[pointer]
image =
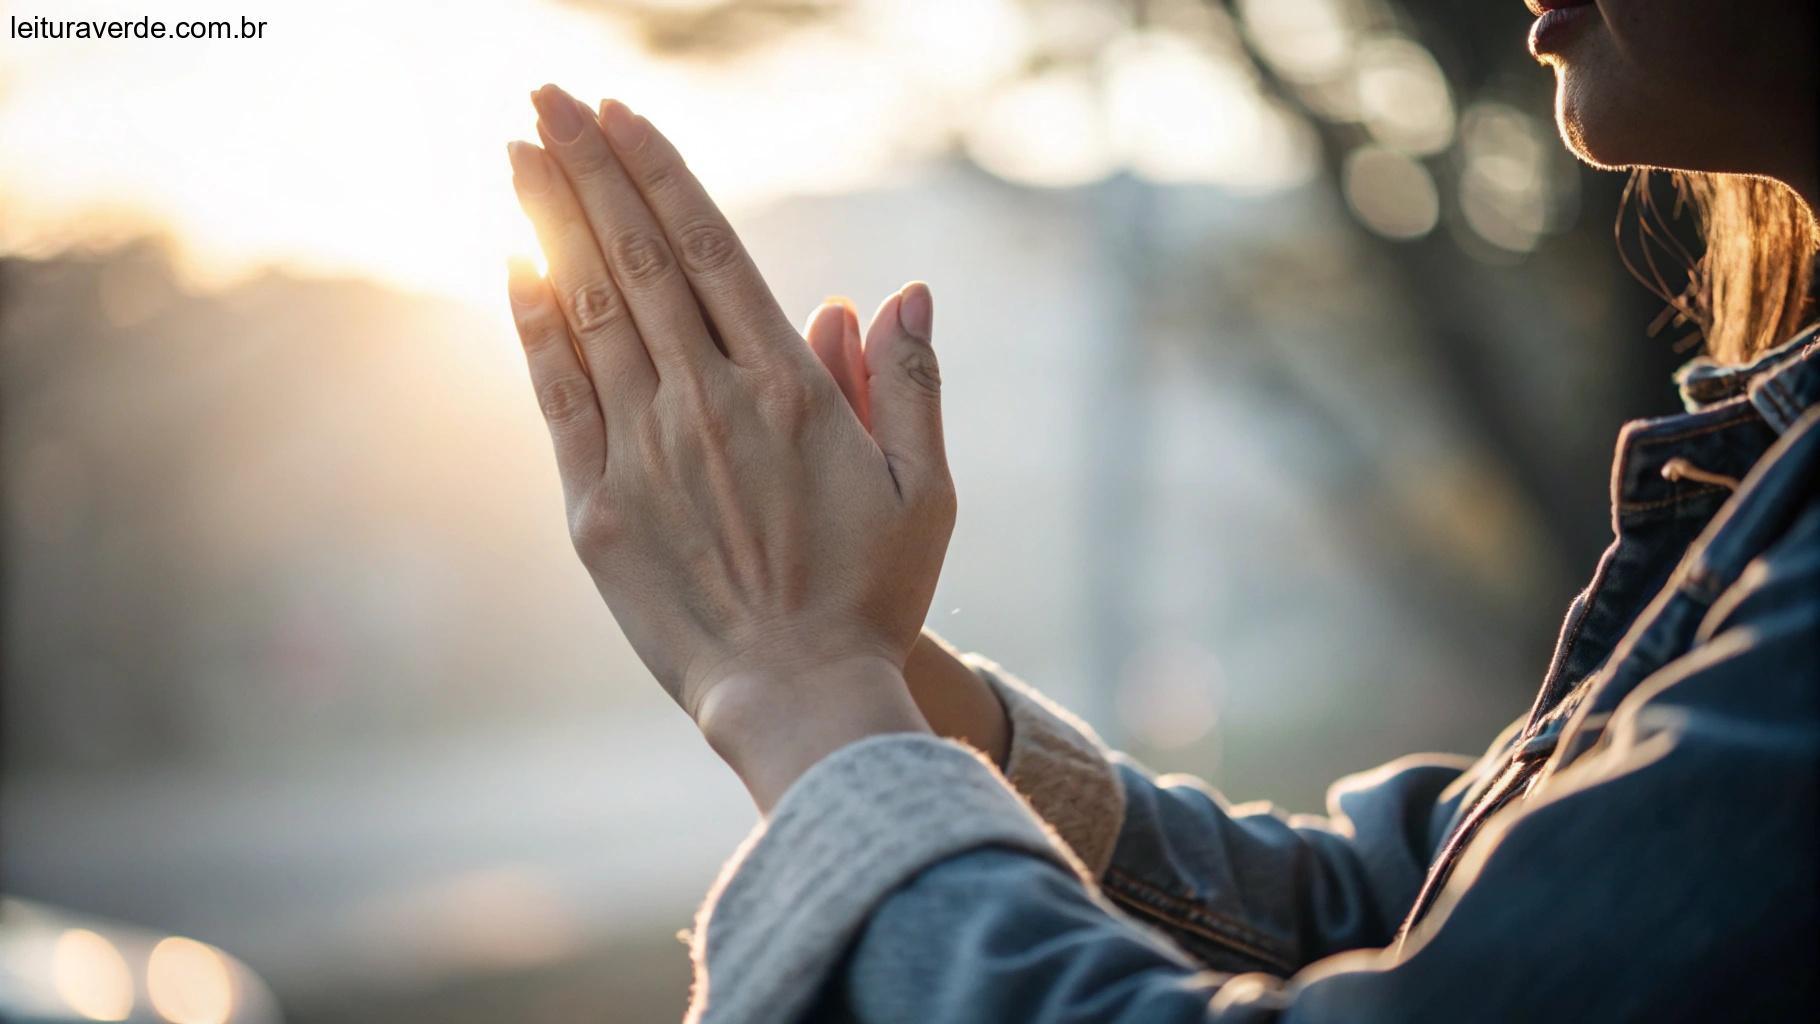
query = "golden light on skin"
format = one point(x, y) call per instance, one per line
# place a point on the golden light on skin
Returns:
point(91, 976)
point(189, 983)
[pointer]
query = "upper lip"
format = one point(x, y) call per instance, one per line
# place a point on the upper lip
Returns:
point(1541, 7)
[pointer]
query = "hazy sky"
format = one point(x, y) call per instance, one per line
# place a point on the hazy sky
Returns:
point(368, 137)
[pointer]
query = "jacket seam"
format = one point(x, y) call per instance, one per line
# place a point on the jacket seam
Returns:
point(1696, 491)
point(1710, 428)
point(1192, 917)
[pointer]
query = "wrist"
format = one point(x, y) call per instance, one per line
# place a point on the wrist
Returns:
point(772, 725)
point(956, 701)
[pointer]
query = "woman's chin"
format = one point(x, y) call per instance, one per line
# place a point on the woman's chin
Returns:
point(1603, 137)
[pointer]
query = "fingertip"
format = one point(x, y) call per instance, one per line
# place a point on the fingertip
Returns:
point(848, 313)
point(626, 130)
point(916, 310)
point(530, 175)
point(886, 313)
point(523, 283)
point(822, 318)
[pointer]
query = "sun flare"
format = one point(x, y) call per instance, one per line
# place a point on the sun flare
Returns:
point(322, 148)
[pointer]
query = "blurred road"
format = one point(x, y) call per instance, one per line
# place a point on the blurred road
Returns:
point(392, 870)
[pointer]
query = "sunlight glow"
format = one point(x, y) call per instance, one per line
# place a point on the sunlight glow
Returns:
point(1169, 694)
point(1048, 130)
point(1504, 192)
point(1392, 194)
point(1403, 96)
point(1182, 114)
point(963, 46)
point(189, 983)
point(389, 164)
point(385, 167)
point(91, 975)
point(387, 160)
point(1305, 40)
point(503, 917)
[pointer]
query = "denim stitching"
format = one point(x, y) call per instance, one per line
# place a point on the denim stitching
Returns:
point(1192, 907)
point(1194, 918)
point(1688, 494)
point(1710, 428)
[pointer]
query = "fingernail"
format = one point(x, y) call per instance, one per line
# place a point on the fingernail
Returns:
point(559, 112)
point(916, 310)
point(530, 175)
point(840, 300)
point(626, 130)
point(522, 282)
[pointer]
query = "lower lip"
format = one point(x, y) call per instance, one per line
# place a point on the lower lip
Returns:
point(1554, 28)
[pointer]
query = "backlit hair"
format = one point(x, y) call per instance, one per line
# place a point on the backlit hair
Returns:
point(1751, 288)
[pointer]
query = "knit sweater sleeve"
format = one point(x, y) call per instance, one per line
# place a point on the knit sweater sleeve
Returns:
point(858, 825)
point(1060, 766)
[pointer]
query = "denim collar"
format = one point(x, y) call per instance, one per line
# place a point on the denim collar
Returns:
point(1782, 383)
point(1734, 415)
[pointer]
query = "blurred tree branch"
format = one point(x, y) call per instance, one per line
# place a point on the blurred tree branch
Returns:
point(712, 28)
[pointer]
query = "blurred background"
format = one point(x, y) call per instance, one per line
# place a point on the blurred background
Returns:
point(1284, 351)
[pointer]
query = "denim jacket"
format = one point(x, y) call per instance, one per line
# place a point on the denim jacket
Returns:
point(1644, 844)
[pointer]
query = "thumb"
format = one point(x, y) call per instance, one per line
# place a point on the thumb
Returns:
point(833, 335)
point(905, 385)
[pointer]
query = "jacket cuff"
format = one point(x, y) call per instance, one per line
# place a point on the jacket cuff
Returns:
point(1060, 765)
point(859, 824)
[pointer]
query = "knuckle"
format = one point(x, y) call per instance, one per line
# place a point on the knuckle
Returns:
point(694, 393)
point(640, 256)
point(588, 163)
point(790, 405)
point(593, 526)
point(919, 366)
point(709, 247)
point(565, 400)
point(538, 329)
point(699, 402)
point(943, 500)
point(658, 176)
point(571, 237)
point(782, 382)
point(651, 441)
point(595, 306)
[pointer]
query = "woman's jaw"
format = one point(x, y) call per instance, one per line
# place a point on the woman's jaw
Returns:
point(1720, 86)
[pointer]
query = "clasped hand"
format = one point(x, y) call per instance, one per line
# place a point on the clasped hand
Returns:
point(769, 555)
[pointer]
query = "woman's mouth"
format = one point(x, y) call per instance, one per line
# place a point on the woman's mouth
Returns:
point(1556, 22)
